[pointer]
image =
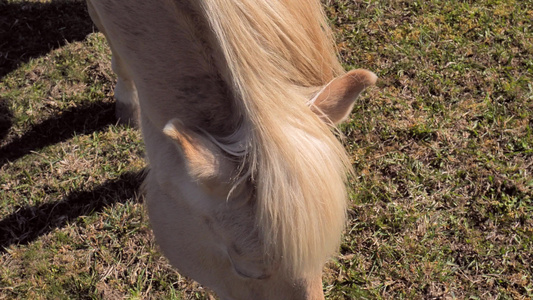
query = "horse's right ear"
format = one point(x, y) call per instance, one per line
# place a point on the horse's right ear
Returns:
point(204, 160)
point(335, 101)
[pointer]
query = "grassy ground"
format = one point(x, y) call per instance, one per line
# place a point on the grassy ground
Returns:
point(442, 203)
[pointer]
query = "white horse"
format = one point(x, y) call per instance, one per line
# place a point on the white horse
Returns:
point(235, 98)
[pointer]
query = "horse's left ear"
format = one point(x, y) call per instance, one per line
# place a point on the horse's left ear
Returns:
point(335, 101)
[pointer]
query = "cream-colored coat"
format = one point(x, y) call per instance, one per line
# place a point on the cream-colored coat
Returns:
point(245, 191)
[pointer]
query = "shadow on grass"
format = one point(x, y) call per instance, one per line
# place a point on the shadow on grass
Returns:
point(80, 120)
point(5, 119)
point(27, 224)
point(32, 29)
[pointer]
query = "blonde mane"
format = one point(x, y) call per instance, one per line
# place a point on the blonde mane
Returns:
point(273, 51)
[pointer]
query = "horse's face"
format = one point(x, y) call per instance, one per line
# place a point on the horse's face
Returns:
point(205, 222)
point(212, 190)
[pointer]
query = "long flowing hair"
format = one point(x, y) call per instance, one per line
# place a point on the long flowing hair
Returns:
point(274, 49)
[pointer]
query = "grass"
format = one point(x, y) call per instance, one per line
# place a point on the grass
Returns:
point(443, 151)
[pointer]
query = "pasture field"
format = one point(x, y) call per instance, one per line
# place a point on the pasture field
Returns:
point(441, 204)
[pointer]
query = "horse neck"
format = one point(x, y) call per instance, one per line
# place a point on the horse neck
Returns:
point(174, 61)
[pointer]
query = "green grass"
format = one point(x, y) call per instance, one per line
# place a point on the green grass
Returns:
point(442, 204)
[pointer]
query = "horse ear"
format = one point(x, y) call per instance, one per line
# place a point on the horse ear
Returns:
point(205, 161)
point(335, 101)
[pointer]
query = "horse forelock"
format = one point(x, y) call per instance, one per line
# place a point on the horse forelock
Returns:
point(272, 49)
